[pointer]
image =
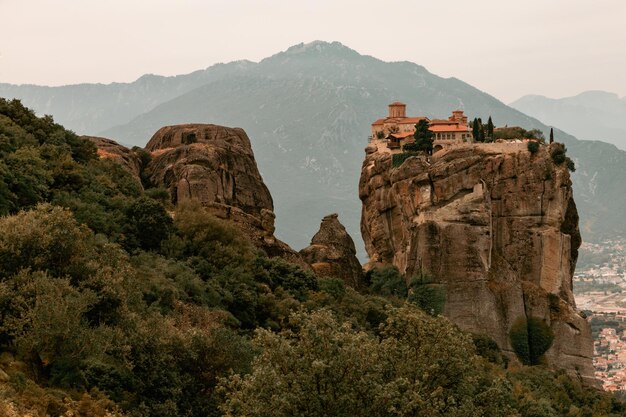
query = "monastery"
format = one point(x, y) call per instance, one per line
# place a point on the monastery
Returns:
point(397, 129)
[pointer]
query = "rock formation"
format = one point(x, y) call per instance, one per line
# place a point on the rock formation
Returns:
point(215, 165)
point(495, 225)
point(110, 149)
point(332, 253)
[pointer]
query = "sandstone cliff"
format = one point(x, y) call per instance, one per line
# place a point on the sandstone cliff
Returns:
point(493, 223)
point(332, 253)
point(215, 165)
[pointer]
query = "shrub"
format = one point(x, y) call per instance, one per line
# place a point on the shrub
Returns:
point(149, 224)
point(530, 338)
point(419, 365)
point(399, 158)
point(533, 146)
point(387, 281)
point(333, 286)
point(489, 349)
point(558, 154)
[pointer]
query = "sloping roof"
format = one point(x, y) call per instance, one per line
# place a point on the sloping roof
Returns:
point(412, 120)
point(399, 120)
point(442, 121)
point(401, 135)
point(448, 128)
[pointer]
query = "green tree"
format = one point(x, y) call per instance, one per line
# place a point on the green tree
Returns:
point(490, 127)
point(475, 130)
point(423, 138)
point(530, 338)
point(149, 224)
point(325, 367)
point(387, 281)
point(551, 135)
point(427, 295)
point(481, 130)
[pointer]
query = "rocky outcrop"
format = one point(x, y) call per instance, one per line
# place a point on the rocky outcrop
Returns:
point(215, 165)
point(209, 163)
point(493, 223)
point(109, 149)
point(332, 253)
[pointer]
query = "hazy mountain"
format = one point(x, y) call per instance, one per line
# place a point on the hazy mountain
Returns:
point(308, 111)
point(90, 108)
point(590, 115)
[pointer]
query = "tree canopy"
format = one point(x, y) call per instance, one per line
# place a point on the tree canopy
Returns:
point(423, 139)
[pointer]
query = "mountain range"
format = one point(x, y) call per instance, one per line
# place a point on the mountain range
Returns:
point(308, 112)
point(589, 115)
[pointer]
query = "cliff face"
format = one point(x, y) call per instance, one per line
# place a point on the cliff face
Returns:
point(215, 165)
point(209, 163)
point(332, 253)
point(496, 225)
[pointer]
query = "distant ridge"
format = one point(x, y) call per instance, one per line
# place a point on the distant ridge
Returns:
point(591, 115)
point(308, 111)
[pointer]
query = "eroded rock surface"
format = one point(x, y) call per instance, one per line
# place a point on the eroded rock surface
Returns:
point(332, 253)
point(215, 165)
point(498, 226)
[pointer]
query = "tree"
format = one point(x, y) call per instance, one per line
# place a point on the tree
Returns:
point(489, 130)
point(530, 339)
point(423, 138)
point(481, 130)
point(387, 281)
point(419, 365)
point(149, 224)
point(475, 130)
point(426, 294)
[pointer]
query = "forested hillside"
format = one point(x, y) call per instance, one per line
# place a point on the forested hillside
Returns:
point(114, 303)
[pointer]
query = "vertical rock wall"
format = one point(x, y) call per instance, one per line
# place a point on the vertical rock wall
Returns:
point(496, 225)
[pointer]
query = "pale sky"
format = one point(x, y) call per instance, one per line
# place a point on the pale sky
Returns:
point(507, 48)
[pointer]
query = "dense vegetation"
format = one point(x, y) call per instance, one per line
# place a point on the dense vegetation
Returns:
point(110, 306)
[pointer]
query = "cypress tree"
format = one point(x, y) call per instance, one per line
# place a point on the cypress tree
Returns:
point(476, 130)
point(490, 130)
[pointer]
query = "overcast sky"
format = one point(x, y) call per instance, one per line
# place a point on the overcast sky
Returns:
point(508, 49)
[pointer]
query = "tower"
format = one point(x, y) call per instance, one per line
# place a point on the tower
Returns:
point(397, 110)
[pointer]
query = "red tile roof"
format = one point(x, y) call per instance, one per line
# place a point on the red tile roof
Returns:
point(412, 120)
point(448, 128)
point(399, 120)
point(397, 103)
